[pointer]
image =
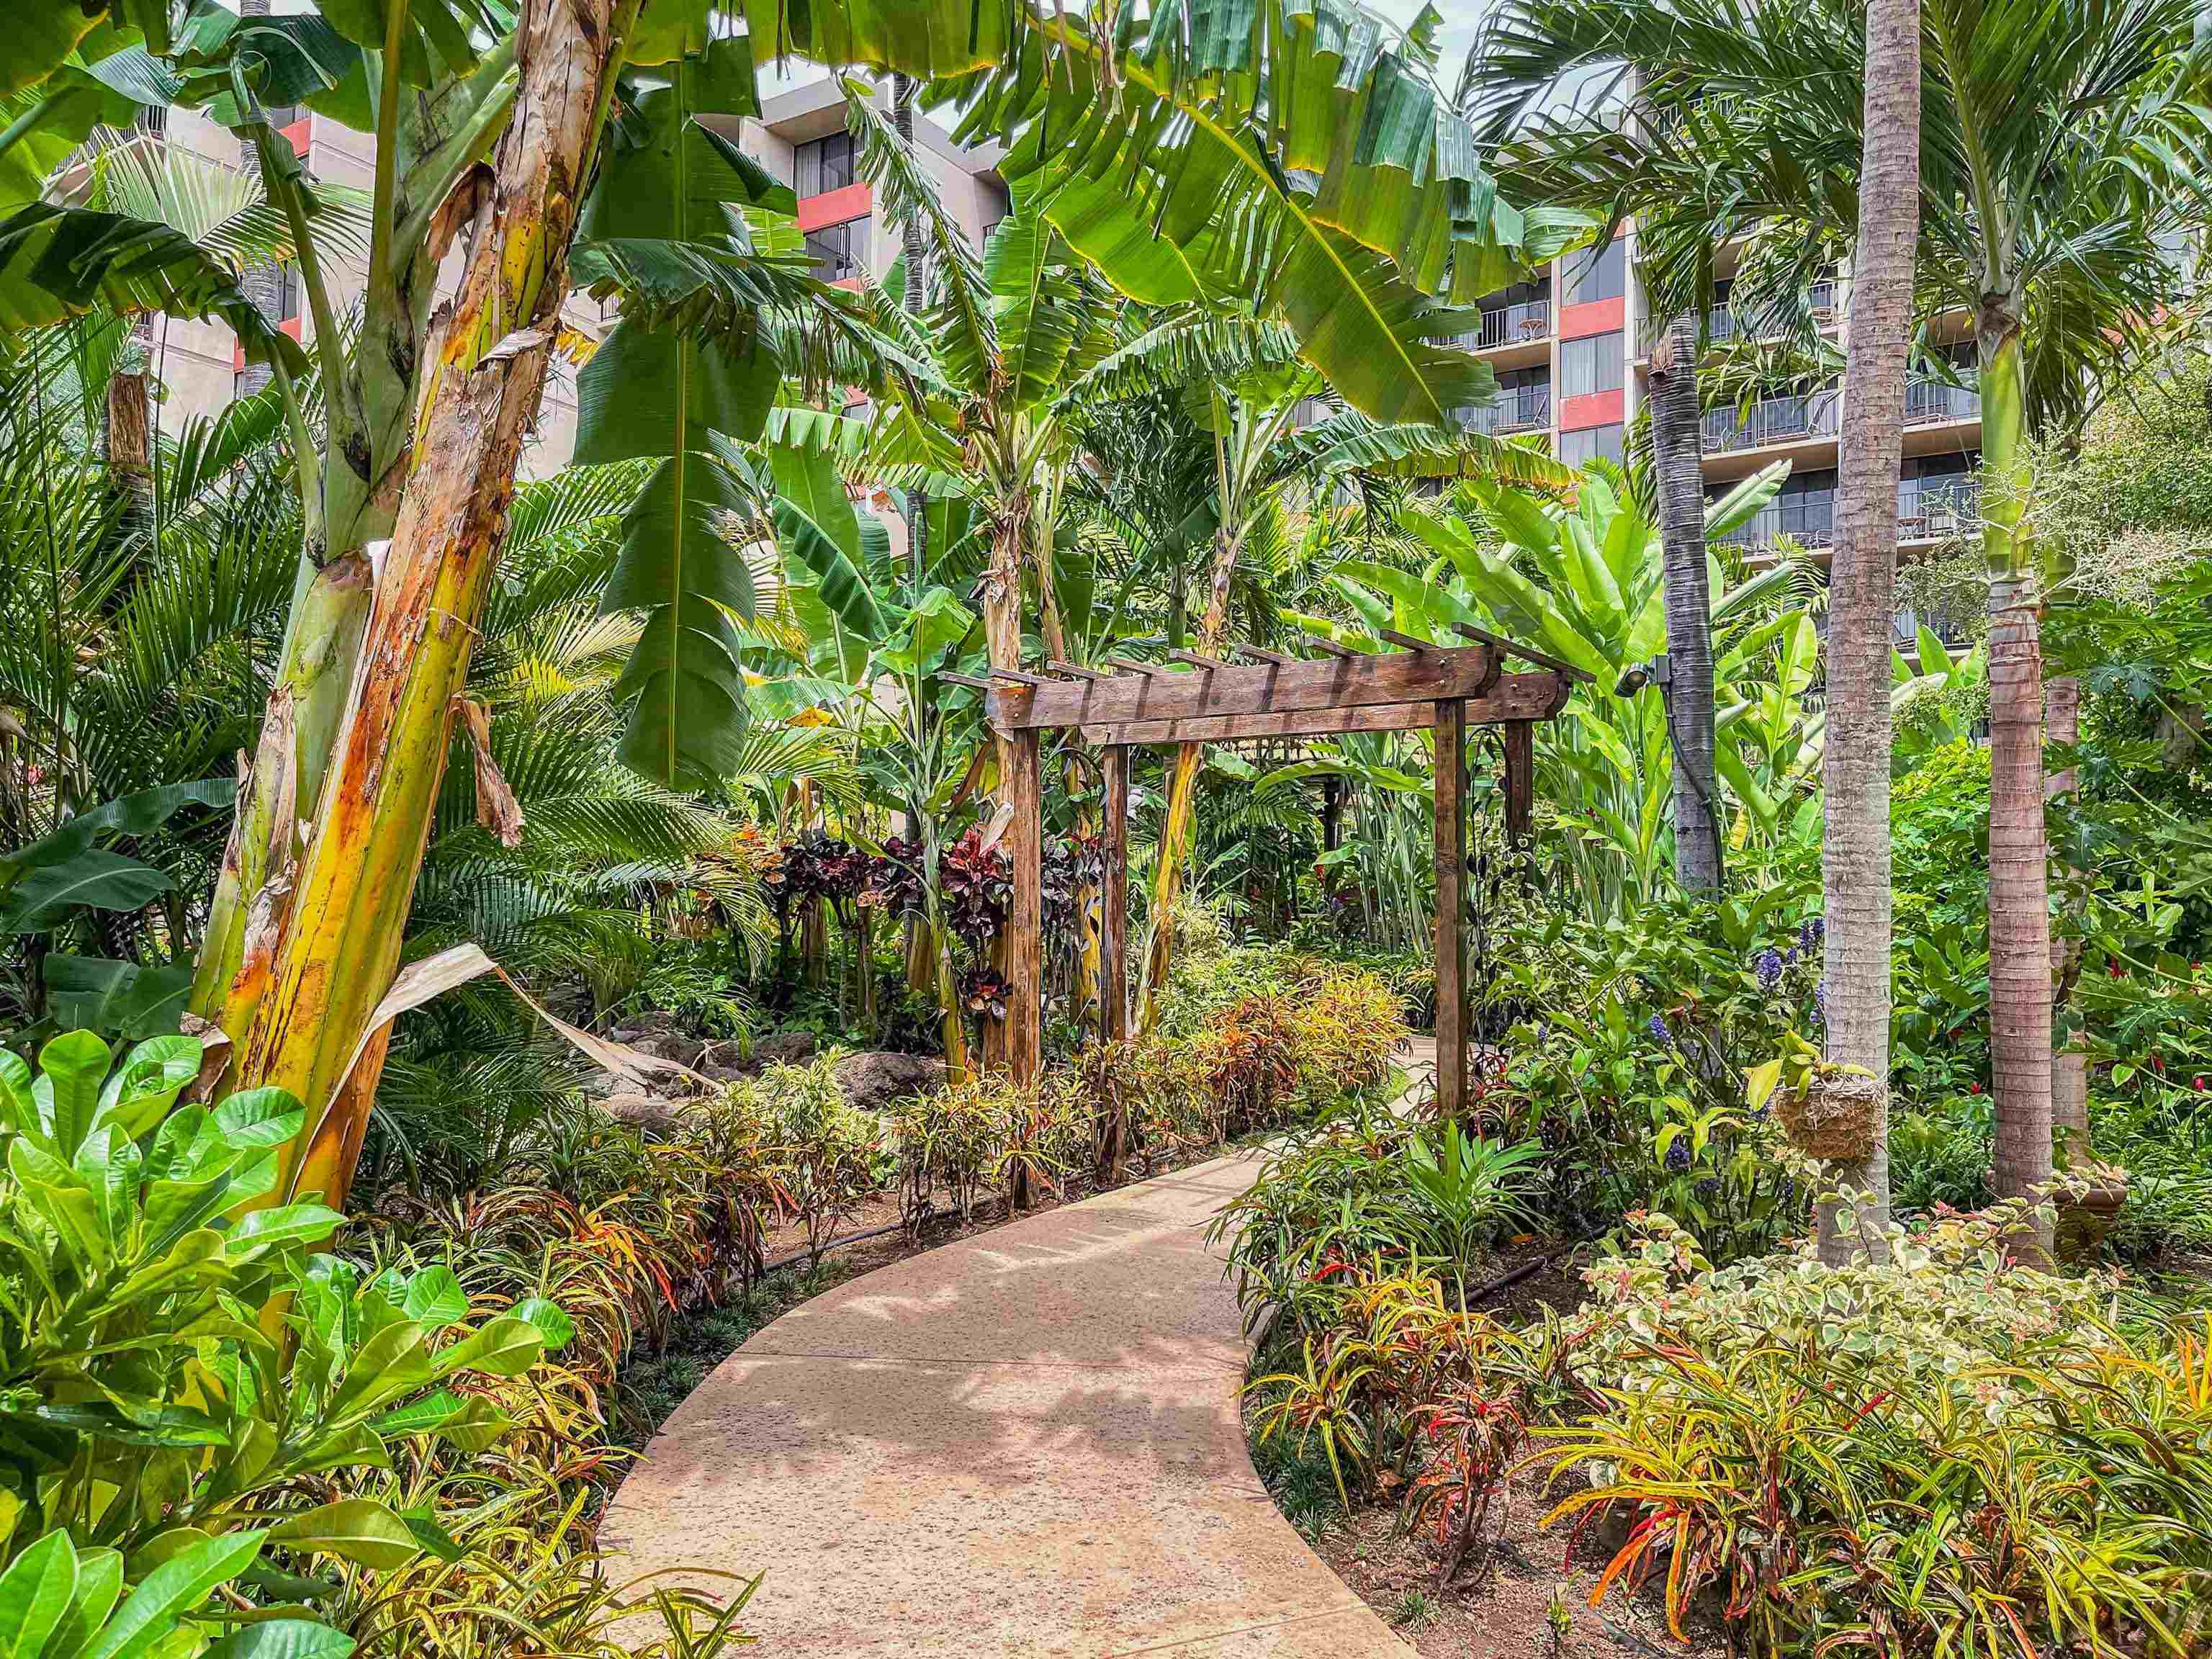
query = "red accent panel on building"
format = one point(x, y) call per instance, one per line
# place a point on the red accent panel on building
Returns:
point(298, 134)
point(834, 207)
point(1598, 409)
point(291, 326)
point(1598, 317)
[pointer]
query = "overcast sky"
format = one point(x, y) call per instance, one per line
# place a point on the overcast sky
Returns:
point(1461, 17)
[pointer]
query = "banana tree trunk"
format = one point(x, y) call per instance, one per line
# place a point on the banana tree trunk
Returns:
point(1677, 446)
point(131, 432)
point(2019, 898)
point(1854, 855)
point(1182, 789)
point(339, 938)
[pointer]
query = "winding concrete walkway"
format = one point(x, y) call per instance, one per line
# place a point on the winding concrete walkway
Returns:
point(1024, 1443)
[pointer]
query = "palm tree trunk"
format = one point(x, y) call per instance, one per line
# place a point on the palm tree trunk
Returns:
point(334, 949)
point(2020, 897)
point(1678, 450)
point(1855, 860)
point(130, 431)
point(2070, 1066)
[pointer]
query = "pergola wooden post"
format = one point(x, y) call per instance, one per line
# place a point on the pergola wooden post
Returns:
point(1451, 908)
point(1425, 685)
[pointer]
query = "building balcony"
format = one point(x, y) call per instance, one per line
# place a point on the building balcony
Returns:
point(1518, 324)
point(1927, 512)
point(1518, 409)
point(1772, 421)
point(1933, 403)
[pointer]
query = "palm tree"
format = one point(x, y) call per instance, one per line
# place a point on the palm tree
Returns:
point(2056, 139)
point(1854, 773)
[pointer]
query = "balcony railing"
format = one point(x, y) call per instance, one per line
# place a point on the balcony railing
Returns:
point(1937, 510)
point(1724, 322)
point(1518, 409)
point(1929, 403)
point(1527, 319)
point(1774, 421)
point(1934, 512)
point(1808, 523)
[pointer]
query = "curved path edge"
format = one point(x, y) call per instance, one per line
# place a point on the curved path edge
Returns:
point(1027, 1443)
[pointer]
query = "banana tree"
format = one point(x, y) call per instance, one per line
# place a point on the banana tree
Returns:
point(493, 123)
point(1586, 583)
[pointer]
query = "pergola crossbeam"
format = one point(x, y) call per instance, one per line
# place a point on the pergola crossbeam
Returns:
point(1515, 698)
point(1152, 692)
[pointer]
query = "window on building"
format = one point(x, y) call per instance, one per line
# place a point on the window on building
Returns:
point(1591, 364)
point(823, 164)
point(281, 116)
point(1586, 445)
point(996, 207)
point(838, 249)
point(1597, 273)
point(287, 293)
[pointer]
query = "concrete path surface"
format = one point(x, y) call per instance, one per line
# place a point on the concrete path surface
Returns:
point(1024, 1443)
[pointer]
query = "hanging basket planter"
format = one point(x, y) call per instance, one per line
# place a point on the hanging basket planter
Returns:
point(1833, 1117)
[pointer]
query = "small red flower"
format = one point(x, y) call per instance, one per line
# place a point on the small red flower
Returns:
point(1973, 1088)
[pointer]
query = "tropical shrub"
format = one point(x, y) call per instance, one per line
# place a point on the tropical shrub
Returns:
point(1269, 1034)
point(829, 1158)
point(1628, 1066)
point(165, 1429)
point(1949, 1453)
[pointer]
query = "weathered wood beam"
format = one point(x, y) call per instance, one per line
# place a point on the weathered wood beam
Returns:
point(1514, 697)
point(1451, 908)
point(1407, 641)
point(1520, 781)
point(1073, 671)
point(1024, 845)
point(1330, 647)
point(1526, 654)
point(1156, 694)
point(1260, 653)
point(1198, 660)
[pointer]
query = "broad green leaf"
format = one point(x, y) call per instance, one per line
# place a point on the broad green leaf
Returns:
point(434, 1298)
point(143, 1088)
point(123, 999)
point(100, 880)
point(99, 1583)
point(34, 1593)
point(356, 1530)
point(19, 1107)
point(58, 262)
point(259, 1117)
point(395, 1361)
point(550, 1318)
point(283, 1638)
point(505, 1347)
point(171, 1590)
point(284, 1224)
point(71, 1067)
point(137, 814)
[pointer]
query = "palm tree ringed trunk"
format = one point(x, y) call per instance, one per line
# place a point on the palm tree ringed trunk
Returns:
point(2019, 895)
point(2069, 1065)
point(1678, 451)
point(335, 947)
point(1855, 852)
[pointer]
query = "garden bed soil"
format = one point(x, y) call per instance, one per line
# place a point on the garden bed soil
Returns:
point(1503, 1609)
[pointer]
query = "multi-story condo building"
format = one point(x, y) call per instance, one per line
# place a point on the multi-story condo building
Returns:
point(799, 137)
point(1570, 351)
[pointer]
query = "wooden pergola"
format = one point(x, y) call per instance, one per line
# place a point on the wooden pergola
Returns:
point(1201, 699)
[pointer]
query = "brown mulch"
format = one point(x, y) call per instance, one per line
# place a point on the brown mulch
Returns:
point(1504, 1606)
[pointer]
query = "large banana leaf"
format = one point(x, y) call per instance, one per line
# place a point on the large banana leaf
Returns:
point(41, 35)
point(654, 394)
point(433, 33)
